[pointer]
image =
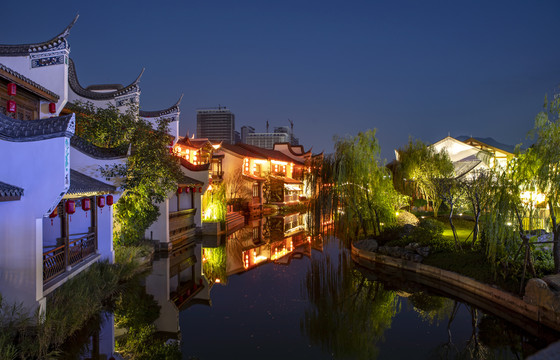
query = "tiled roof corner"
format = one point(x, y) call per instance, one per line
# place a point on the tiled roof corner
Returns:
point(7, 190)
point(28, 81)
point(56, 43)
point(97, 152)
point(35, 130)
point(188, 165)
point(83, 184)
point(156, 113)
point(93, 95)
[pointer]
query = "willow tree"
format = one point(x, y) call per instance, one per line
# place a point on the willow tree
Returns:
point(363, 184)
point(418, 166)
point(547, 154)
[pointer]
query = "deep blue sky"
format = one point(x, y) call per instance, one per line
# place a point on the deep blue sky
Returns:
point(408, 68)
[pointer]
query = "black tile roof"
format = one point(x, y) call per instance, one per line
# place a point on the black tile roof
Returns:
point(34, 130)
point(188, 181)
point(98, 152)
point(83, 184)
point(7, 190)
point(93, 95)
point(28, 81)
point(156, 113)
point(56, 43)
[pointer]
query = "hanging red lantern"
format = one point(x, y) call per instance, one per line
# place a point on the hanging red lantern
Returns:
point(187, 190)
point(179, 190)
point(199, 189)
point(12, 89)
point(101, 201)
point(86, 204)
point(52, 108)
point(109, 200)
point(70, 207)
point(11, 106)
point(53, 214)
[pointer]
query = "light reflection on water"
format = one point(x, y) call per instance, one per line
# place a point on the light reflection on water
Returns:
point(320, 305)
point(273, 290)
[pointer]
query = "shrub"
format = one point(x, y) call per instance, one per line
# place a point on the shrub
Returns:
point(406, 218)
point(419, 203)
point(428, 231)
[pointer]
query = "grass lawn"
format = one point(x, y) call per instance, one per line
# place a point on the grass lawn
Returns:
point(470, 261)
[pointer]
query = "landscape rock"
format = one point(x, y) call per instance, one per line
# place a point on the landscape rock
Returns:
point(367, 245)
point(423, 251)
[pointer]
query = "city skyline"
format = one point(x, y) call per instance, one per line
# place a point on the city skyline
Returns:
point(408, 69)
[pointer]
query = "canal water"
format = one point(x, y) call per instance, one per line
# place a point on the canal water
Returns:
point(273, 290)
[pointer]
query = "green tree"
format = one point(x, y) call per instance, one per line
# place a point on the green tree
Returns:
point(150, 172)
point(477, 189)
point(419, 165)
point(547, 155)
point(364, 184)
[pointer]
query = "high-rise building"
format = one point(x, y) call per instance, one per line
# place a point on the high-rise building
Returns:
point(246, 130)
point(216, 124)
point(281, 134)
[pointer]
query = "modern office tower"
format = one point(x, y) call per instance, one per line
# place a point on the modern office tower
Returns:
point(237, 136)
point(216, 124)
point(267, 140)
point(245, 130)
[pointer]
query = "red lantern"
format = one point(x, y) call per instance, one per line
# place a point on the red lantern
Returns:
point(53, 214)
point(187, 190)
point(52, 108)
point(179, 190)
point(109, 200)
point(199, 189)
point(86, 204)
point(70, 207)
point(12, 89)
point(101, 201)
point(12, 107)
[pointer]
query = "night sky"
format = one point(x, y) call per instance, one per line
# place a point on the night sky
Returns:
point(408, 68)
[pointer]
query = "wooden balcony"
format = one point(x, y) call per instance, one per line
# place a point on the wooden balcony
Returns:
point(58, 260)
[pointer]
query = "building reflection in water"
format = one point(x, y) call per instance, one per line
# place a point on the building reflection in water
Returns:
point(185, 276)
point(176, 282)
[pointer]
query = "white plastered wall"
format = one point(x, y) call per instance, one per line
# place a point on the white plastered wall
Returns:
point(39, 168)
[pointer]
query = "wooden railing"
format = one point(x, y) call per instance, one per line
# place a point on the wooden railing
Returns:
point(55, 261)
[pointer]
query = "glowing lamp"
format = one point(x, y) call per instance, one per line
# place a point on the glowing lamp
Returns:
point(187, 190)
point(101, 201)
point(179, 190)
point(52, 108)
point(11, 106)
point(199, 189)
point(109, 200)
point(70, 207)
point(86, 204)
point(12, 89)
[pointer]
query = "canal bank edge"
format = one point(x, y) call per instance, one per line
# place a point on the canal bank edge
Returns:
point(540, 310)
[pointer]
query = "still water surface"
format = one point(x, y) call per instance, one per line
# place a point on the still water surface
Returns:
point(316, 303)
point(272, 290)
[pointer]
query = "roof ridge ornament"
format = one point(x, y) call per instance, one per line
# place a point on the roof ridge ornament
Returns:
point(56, 43)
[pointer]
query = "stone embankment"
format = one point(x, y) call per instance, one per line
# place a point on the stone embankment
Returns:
point(540, 304)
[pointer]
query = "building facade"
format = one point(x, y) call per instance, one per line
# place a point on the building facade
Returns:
point(216, 124)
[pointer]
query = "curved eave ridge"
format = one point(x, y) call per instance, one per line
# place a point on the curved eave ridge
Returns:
point(34, 130)
point(157, 113)
point(94, 95)
point(97, 152)
point(56, 43)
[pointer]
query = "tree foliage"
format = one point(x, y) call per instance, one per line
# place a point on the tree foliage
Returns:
point(419, 165)
point(364, 184)
point(150, 172)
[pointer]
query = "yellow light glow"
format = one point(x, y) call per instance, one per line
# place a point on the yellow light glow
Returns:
point(279, 162)
point(216, 146)
point(217, 281)
point(532, 197)
point(397, 213)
